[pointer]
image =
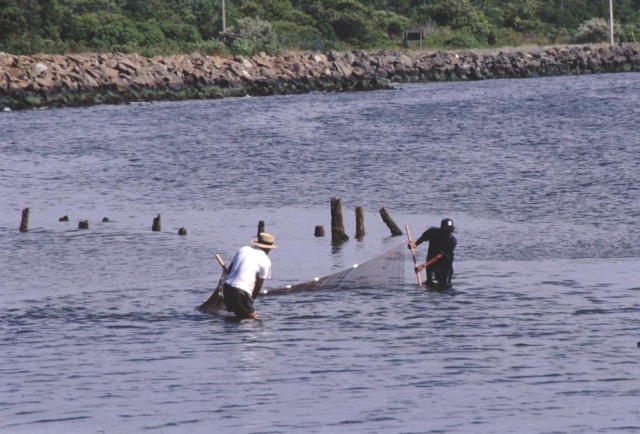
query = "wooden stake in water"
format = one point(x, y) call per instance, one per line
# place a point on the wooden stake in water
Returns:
point(156, 224)
point(359, 223)
point(338, 234)
point(24, 223)
point(393, 227)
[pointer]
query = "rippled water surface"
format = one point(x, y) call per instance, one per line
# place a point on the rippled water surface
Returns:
point(539, 334)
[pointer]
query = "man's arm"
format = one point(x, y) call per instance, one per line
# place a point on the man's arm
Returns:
point(424, 237)
point(431, 261)
point(257, 287)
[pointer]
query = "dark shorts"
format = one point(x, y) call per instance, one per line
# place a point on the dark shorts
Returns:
point(238, 301)
point(439, 277)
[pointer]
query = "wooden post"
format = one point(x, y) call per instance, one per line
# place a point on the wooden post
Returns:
point(319, 231)
point(83, 224)
point(260, 227)
point(359, 223)
point(64, 218)
point(182, 231)
point(105, 220)
point(156, 224)
point(24, 223)
point(393, 227)
point(338, 234)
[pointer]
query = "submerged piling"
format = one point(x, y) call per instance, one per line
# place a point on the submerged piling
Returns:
point(260, 227)
point(338, 234)
point(393, 227)
point(318, 231)
point(360, 223)
point(24, 222)
point(156, 224)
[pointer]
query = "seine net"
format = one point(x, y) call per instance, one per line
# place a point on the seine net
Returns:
point(383, 271)
point(215, 302)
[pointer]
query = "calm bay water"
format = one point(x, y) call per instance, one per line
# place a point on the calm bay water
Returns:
point(539, 334)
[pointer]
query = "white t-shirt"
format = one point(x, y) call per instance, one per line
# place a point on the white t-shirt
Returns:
point(249, 262)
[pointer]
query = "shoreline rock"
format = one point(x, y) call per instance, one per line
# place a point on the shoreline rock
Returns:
point(112, 78)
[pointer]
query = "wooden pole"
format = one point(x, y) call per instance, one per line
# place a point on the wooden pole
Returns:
point(413, 254)
point(260, 227)
point(319, 231)
point(224, 17)
point(359, 223)
point(24, 222)
point(393, 227)
point(338, 234)
point(611, 21)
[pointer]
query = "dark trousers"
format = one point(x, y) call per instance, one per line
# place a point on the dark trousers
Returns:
point(439, 277)
point(238, 301)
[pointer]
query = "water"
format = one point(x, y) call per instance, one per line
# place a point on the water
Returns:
point(98, 327)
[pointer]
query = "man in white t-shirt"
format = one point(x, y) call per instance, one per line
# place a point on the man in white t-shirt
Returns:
point(246, 274)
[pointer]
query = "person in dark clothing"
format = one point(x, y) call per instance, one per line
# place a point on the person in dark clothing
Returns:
point(440, 256)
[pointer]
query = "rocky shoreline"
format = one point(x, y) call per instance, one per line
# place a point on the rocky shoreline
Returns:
point(85, 79)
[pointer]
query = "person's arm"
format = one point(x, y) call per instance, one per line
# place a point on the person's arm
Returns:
point(424, 237)
point(431, 261)
point(257, 287)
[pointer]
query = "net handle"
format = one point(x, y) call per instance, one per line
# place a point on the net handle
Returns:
point(413, 255)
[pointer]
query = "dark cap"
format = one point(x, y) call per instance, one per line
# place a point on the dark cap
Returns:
point(447, 224)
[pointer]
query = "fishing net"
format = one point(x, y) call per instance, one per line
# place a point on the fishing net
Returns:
point(216, 301)
point(383, 271)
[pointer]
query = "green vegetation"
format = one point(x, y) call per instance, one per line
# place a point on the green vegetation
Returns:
point(152, 27)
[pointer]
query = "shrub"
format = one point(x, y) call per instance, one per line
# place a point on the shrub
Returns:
point(152, 35)
point(592, 31)
point(459, 15)
point(102, 31)
point(294, 36)
point(180, 32)
point(251, 36)
point(210, 47)
point(446, 38)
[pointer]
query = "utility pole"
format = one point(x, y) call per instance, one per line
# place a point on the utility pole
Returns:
point(610, 21)
point(224, 18)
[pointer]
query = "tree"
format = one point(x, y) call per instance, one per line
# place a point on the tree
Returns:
point(351, 21)
point(459, 15)
point(12, 21)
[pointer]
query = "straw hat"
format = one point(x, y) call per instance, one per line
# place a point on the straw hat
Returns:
point(265, 241)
